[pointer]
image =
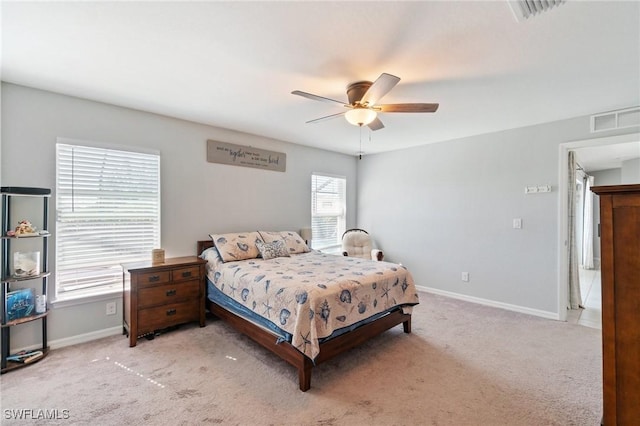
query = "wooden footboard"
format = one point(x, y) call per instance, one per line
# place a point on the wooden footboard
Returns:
point(328, 349)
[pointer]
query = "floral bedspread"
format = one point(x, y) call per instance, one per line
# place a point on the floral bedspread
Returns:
point(312, 294)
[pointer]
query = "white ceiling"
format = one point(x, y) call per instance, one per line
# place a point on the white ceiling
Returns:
point(234, 64)
point(603, 157)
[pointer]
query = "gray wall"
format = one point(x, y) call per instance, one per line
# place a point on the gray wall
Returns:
point(607, 177)
point(601, 178)
point(197, 197)
point(445, 208)
point(630, 172)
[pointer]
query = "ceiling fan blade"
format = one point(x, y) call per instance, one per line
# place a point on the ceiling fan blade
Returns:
point(376, 124)
point(408, 107)
point(328, 117)
point(316, 97)
point(379, 88)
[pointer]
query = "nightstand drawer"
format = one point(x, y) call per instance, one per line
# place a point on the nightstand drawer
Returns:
point(154, 278)
point(169, 293)
point(151, 319)
point(185, 273)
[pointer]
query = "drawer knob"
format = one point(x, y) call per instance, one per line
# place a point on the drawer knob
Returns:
point(171, 312)
point(171, 292)
point(186, 274)
point(154, 278)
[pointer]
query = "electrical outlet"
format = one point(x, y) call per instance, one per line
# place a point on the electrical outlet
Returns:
point(111, 308)
point(465, 277)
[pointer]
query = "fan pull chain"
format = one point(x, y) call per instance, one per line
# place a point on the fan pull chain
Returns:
point(360, 153)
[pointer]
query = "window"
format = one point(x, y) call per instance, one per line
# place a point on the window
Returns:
point(328, 211)
point(108, 212)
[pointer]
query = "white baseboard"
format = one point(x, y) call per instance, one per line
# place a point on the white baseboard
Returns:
point(87, 337)
point(74, 340)
point(492, 303)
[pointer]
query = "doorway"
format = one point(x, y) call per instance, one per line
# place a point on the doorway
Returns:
point(588, 280)
point(586, 232)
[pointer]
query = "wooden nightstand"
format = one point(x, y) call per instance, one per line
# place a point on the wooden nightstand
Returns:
point(161, 295)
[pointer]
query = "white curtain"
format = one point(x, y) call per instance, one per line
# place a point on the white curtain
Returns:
point(575, 298)
point(587, 230)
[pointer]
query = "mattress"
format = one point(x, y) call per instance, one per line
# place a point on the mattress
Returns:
point(309, 297)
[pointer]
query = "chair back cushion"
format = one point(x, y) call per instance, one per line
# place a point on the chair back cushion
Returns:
point(357, 244)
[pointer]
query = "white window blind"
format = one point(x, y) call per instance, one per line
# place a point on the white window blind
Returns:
point(328, 210)
point(107, 212)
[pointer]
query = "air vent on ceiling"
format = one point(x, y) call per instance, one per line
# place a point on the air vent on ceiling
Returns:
point(523, 9)
point(620, 119)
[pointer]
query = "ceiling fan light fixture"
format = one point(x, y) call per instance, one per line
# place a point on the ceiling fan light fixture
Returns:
point(363, 106)
point(360, 116)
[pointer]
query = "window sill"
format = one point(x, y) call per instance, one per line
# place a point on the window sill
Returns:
point(89, 298)
point(337, 250)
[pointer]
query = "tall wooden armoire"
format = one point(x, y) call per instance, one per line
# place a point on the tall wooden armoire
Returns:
point(620, 251)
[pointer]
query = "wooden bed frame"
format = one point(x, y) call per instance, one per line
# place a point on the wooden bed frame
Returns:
point(328, 349)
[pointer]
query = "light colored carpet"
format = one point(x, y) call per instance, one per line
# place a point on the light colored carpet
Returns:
point(464, 364)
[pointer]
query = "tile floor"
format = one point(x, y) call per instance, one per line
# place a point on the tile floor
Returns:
point(591, 315)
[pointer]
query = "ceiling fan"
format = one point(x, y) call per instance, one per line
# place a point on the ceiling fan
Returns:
point(363, 107)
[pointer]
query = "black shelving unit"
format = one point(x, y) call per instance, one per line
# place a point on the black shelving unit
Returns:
point(11, 282)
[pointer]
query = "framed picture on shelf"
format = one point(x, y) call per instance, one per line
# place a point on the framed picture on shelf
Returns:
point(20, 304)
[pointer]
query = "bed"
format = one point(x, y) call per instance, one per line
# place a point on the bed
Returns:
point(303, 305)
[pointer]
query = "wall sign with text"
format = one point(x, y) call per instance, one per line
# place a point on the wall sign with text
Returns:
point(246, 156)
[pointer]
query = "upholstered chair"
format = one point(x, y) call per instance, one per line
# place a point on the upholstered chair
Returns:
point(357, 243)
